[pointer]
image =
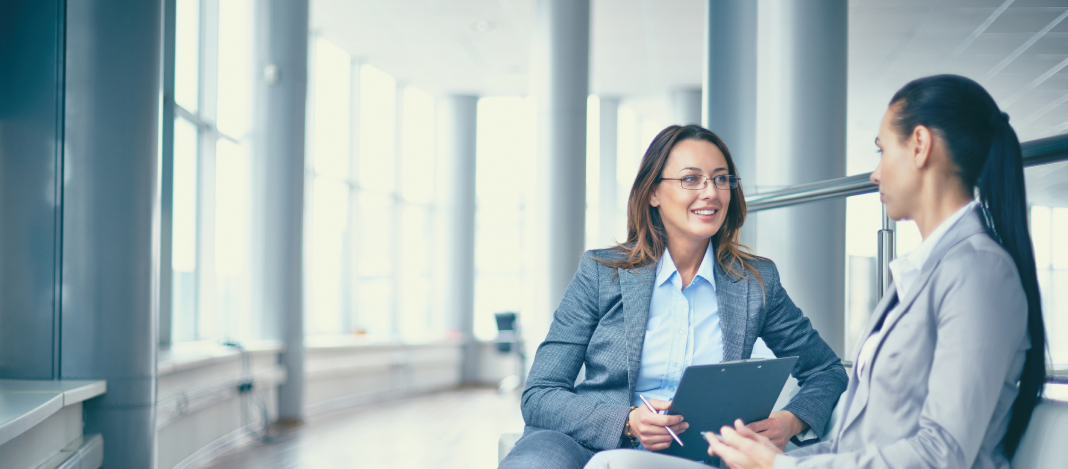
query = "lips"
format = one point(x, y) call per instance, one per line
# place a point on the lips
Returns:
point(705, 212)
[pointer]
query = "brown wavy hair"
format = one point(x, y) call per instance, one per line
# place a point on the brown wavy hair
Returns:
point(646, 237)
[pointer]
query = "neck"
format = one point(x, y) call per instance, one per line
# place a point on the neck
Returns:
point(940, 200)
point(687, 255)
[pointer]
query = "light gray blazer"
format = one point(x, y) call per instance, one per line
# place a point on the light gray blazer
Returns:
point(943, 378)
point(601, 324)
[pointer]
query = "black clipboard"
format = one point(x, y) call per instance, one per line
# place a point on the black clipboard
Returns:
point(711, 396)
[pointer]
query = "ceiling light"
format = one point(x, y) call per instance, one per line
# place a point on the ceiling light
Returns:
point(484, 26)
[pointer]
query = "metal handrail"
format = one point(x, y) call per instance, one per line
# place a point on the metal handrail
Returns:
point(1035, 153)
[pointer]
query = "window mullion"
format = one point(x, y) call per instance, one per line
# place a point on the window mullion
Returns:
point(398, 206)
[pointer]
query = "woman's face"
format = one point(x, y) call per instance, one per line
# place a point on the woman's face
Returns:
point(695, 214)
point(896, 174)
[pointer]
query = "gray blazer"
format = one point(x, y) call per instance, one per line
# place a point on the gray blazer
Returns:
point(601, 324)
point(944, 376)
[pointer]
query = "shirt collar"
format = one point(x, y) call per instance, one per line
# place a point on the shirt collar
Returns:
point(914, 260)
point(665, 267)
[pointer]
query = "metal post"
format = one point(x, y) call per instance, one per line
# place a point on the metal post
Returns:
point(886, 254)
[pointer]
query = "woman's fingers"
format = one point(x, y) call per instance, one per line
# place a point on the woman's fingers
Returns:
point(680, 427)
point(747, 430)
point(650, 418)
point(656, 443)
point(729, 455)
point(659, 404)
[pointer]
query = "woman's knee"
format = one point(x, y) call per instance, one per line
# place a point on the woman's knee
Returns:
point(547, 448)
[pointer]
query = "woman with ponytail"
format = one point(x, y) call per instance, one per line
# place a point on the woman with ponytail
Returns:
point(953, 359)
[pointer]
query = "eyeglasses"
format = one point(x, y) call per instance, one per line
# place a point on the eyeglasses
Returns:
point(696, 182)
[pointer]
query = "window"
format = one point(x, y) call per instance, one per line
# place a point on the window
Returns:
point(372, 203)
point(863, 222)
point(1048, 226)
point(331, 187)
point(505, 151)
point(212, 171)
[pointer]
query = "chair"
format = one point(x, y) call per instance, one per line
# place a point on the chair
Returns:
point(1043, 444)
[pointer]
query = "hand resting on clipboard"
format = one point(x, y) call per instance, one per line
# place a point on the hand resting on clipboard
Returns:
point(712, 396)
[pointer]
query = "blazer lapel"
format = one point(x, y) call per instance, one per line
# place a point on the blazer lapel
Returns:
point(881, 309)
point(636, 288)
point(856, 391)
point(967, 226)
point(732, 294)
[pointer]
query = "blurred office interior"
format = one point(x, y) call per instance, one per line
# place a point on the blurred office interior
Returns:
point(275, 233)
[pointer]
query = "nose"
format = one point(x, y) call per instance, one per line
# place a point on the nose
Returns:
point(877, 175)
point(710, 190)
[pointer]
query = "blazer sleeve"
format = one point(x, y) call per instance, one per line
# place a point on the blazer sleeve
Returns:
point(549, 400)
point(819, 372)
point(980, 318)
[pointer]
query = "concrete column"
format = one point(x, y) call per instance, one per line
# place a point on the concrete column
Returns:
point(561, 84)
point(803, 82)
point(730, 76)
point(610, 220)
point(111, 209)
point(286, 52)
point(686, 106)
point(460, 122)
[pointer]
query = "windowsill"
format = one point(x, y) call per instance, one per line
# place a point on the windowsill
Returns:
point(26, 403)
point(344, 341)
point(184, 356)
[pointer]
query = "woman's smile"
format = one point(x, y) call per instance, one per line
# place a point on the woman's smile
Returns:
point(705, 213)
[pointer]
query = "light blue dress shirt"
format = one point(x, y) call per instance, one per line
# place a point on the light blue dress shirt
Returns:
point(683, 328)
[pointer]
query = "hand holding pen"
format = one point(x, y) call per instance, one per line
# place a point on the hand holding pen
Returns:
point(651, 428)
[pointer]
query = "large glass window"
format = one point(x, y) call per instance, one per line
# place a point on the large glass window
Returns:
point(1048, 226)
point(505, 152)
point(371, 249)
point(184, 229)
point(212, 171)
point(329, 204)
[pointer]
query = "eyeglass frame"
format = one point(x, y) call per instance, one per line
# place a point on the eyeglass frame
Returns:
point(731, 180)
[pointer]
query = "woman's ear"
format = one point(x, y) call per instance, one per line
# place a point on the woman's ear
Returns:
point(654, 201)
point(922, 145)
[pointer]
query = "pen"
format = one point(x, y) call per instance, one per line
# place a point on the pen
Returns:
point(651, 409)
point(720, 438)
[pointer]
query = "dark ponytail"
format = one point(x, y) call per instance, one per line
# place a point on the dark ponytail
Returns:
point(987, 154)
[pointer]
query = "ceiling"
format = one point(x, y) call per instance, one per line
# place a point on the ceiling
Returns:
point(642, 49)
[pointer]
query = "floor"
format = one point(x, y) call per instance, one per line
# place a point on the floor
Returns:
point(445, 430)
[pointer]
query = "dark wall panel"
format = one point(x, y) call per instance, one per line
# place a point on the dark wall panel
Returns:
point(31, 107)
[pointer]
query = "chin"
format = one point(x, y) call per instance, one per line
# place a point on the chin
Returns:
point(704, 232)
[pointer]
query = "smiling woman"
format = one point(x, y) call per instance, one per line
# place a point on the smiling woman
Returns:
point(680, 291)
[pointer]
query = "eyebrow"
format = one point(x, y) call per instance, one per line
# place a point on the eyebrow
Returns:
point(691, 168)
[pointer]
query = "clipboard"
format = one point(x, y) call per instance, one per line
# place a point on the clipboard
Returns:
point(711, 396)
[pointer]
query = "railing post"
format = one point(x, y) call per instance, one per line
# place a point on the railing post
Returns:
point(886, 254)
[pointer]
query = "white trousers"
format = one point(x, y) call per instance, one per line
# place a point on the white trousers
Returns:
point(638, 459)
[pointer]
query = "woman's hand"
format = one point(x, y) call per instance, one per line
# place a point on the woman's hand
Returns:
point(779, 427)
point(648, 427)
point(742, 448)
